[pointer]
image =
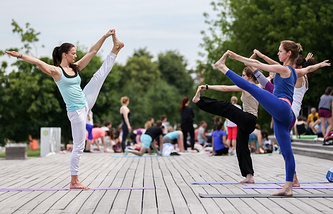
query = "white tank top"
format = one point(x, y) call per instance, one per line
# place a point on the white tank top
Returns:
point(298, 97)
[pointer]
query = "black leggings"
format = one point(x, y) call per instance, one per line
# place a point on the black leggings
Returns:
point(246, 123)
point(188, 128)
point(125, 135)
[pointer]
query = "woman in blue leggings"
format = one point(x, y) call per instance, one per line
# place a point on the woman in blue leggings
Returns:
point(277, 104)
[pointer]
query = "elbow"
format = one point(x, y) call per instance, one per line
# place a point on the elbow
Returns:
point(93, 51)
point(257, 64)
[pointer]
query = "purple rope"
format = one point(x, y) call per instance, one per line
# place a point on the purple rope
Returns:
point(66, 189)
point(261, 182)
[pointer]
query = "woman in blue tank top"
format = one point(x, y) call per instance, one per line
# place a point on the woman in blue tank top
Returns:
point(65, 73)
point(277, 104)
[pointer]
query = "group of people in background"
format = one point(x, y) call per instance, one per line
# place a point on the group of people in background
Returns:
point(220, 140)
point(282, 100)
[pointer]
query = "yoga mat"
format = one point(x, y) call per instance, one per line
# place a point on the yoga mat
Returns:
point(264, 196)
point(261, 182)
point(134, 156)
point(279, 187)
point(66, 189)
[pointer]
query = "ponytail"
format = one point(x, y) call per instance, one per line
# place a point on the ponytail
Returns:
point(57, 55)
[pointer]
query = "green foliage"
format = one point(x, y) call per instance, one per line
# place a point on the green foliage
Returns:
point(244, 25)
point(30, 153)
point(30, 99)
point(173, 69)
point(28, 36)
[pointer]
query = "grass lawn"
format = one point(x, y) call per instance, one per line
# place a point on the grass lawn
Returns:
point(30, 153)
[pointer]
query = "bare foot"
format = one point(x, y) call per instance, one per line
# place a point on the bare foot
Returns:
point(76, 184)
point(196, 97)
point(286, 191)
point(220, 65)
point(295, 181)
point(249, 179)
point(117, 44)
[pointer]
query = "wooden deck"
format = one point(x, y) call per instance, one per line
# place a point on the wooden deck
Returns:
point(170, 177)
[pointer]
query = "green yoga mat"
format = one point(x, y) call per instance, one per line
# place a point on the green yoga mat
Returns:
point(304, 137)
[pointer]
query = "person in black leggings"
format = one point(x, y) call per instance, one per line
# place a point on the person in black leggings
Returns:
point(126, 121)
point(186, 121)
point(245, 119)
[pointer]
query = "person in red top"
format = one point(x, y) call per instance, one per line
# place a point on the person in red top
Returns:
point(97, 133)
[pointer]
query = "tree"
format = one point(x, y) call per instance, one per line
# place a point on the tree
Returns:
point(30, 99)
point(173, 69)
point(242, 25)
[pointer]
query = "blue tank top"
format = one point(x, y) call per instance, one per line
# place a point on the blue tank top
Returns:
point(172, 135)
point(71, 91)
point(284, 87)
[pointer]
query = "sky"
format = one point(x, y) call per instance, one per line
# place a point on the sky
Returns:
point(156, 25)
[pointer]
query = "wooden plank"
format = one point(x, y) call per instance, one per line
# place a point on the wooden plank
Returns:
point(136, 196)
point(116, 176)
point(163, 200)
point(149, 203)
point(182, 178)
point(171, 177)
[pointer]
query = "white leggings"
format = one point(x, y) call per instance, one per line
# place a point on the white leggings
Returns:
point(78, 118)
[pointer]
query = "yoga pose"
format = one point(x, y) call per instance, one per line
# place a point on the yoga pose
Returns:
point(65, 73)
point(147, 140)
point(172, 135)
point(277, 104)
point(245, 119)
point(300, 88)
point(126, 120)
point(302, 84)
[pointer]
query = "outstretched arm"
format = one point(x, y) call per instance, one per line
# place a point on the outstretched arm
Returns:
point(275, 68)
point(264, 57)
point(46, 68)
point(301, 72)
point(222, 87)
point(82, 63)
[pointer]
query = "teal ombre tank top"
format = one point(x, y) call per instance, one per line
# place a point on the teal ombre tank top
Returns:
point(71, 92)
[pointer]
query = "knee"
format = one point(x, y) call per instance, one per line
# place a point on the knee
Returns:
point(287, 154)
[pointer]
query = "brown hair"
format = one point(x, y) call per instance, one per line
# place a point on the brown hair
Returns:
point(184, 101)
point(234, 100)
point(292, 46)
point(57, 55)
point(328, 90)
point(300, 61)
point(124, 100)
point(249, 73)
point(158, 123)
